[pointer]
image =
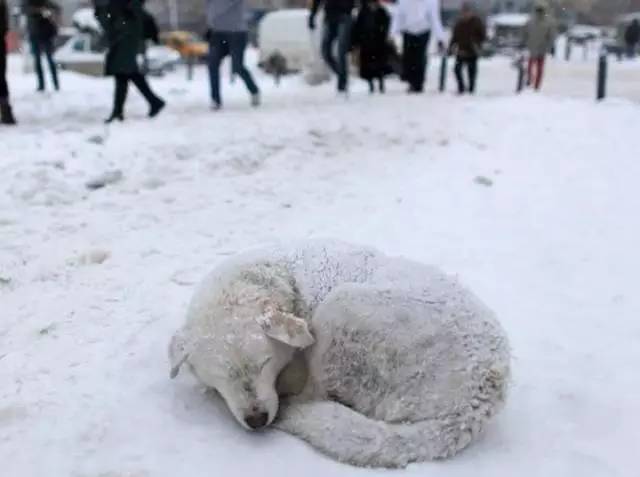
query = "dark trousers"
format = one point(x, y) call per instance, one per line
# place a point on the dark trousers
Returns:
point(4, 88)
point(122, 87)
point(471, 65)
point(414, 59)
point(338, 30)
point(234, 44)
point(372, 86)
point(38, 47)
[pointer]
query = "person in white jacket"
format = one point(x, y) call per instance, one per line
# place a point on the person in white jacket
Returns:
point(417, 20)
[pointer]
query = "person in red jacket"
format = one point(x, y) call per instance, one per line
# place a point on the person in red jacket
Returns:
point(468, 36)
point(6, 115)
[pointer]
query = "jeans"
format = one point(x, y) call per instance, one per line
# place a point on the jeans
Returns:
point(222, 44)
point(4, 88)
point(535, 72)
point(414, 59)
point(471, 63)
point(39, 47)
point(338, 29)
point(122, 87)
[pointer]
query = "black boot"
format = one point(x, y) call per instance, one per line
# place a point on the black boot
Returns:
point(155, 108)
point(113, 117)
point(6, 115)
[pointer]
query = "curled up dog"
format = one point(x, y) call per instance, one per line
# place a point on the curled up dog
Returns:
point(375, 361)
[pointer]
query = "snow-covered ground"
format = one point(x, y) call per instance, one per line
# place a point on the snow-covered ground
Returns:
point(532, 200)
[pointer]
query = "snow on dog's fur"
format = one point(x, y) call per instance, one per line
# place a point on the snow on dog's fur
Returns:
point(400, 363)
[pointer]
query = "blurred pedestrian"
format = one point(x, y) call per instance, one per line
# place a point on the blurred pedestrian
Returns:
point(42, 26)
point(632, 37)
point(6, 115)
point(151, 33)
point(418, 21)
point(371, 38)
point(539, 37)
point(228, 35)
point(122, 22)
point(469, 34)
point(336, 34)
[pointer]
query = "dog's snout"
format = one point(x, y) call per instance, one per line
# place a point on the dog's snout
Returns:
point(257, 420)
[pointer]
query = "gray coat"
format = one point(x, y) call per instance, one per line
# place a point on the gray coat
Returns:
point(227, 15)
point(539, 36)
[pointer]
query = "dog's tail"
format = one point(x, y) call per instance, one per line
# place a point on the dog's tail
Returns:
point(353, 438)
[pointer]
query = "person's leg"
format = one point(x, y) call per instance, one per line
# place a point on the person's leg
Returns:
point(237, 46)
point(329, 35)
point(6, 114)
point(344, 44)
point(217, 48)
point(48, 51)
point(119, 97)
point(472, 66)
point(35, 51)
point(372, 87)
point(4, 87)
point(530, 66)
point(381, 84)
point(155, 103)
point(457, 69)
point(539, 72)
point(409, 59)
point(422, 61)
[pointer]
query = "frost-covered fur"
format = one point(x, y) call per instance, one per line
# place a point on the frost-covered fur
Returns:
point(400, 363)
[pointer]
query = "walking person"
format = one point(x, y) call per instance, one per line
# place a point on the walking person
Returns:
point(42, 26)
point(228, 35)
point(338, 22)
point(469, 34)
point(632, 38)
point(371, 38)
point(539, 37)
point(418, 21)
point(122, 22)
point(6, 115)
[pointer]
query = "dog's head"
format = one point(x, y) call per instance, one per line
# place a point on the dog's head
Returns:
point(241, 357)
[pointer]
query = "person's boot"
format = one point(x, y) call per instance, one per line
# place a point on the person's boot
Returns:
point(6, 114)
point(156, 106)
point(113, 117)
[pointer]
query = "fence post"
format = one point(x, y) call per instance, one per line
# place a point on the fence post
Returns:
point(190, 59)
point(443, 73)
point(602, 76)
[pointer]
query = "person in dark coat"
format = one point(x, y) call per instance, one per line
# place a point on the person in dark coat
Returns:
point(6, 115)
point(371, 37)
point(122, 22)
point(42, 26)
point(632, 38)
point(469, 34)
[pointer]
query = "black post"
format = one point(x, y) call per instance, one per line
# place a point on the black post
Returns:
point(443, 73)
point(602, 76)
point(190, 60)
point(520, 68)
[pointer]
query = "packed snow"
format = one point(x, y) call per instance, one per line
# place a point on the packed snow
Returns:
point(531, 200)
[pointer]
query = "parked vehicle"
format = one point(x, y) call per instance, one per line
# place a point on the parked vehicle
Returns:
point(506, 30)
point(84, 53)
point(187, 44)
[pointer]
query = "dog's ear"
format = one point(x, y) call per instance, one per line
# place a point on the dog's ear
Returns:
point(178, 353)
point(286, 328)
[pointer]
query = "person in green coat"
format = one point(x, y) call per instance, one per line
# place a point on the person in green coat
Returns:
point(122, 22)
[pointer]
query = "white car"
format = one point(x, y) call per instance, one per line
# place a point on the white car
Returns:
point(285, 34)
point(84, 53)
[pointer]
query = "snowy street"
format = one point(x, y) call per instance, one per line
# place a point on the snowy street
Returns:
point(531, 200)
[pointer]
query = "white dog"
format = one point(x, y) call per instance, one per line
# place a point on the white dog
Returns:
point(400, 363)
